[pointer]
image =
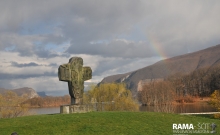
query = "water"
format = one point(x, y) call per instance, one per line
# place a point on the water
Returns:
point(180, 108)
point(195, 108)
point(51, 110)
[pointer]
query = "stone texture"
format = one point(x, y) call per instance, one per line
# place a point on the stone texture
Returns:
point(75, 74)
point(66, 109)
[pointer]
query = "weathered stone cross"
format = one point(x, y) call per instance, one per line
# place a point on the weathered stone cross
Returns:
point(75, 74)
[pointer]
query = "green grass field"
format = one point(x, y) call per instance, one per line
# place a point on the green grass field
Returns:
point(101, 123)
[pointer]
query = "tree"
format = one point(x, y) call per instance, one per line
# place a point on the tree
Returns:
point(215, 79)
point(215, 102)
point(48, 101)
point(10, 105)
point(215, 99)
point(111, 97)
point(159, 94)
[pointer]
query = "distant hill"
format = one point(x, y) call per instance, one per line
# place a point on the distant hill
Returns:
point(184, 63)
point(31, 93)
point(42, 94)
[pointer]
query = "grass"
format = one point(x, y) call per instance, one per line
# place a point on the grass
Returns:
point(100, 123)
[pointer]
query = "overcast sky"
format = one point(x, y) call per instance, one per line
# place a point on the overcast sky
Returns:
point(112, 36)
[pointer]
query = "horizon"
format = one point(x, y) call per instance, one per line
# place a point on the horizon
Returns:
point(112, 37)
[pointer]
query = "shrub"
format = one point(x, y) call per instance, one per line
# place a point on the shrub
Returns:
point(10, 105)
point(186, 99)
point(217, 115)
point(215, 99)
point(111, 97)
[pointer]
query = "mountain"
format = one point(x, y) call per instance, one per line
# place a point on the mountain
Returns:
point(31, 93)
point(42, 94)
point(184, 63)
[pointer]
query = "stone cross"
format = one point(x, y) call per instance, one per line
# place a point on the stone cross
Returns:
point(75, 74)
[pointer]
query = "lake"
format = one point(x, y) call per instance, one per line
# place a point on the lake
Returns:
point(180, 108)
point(50, 110)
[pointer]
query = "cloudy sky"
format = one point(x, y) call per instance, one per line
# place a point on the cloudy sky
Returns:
point(112, 36)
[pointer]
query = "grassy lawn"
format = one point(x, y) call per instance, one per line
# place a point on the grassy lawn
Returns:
point(101, 123)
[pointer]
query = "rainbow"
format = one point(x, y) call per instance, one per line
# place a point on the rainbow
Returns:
point(157, 47)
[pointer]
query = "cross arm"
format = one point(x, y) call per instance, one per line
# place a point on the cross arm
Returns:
point(64, 72)
point(87, 73)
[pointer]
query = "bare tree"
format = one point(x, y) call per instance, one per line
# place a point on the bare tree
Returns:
point(160, 94)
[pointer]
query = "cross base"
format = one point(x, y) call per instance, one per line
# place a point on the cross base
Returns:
point(66, 109)
point(76, 101)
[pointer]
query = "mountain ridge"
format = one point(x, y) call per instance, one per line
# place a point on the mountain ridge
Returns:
point(31, 93)
point(185, 63)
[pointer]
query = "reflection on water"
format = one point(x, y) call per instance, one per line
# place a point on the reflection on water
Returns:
point(185, 108)
point(180, 108)
point(194, 108)
point(50, 110)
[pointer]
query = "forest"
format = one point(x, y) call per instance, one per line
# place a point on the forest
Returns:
point(181, 87)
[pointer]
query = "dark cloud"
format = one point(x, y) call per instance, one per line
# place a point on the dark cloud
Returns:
point(31, 64)
point(43, 53)
point(116, 48)
point(173, 24)
point(7, 76)
point(91, 22)
point(77, 21)
point(111, 64)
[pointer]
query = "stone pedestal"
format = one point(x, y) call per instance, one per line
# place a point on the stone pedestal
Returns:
point(66, 109)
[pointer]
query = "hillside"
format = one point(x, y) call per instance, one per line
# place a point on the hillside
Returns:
point(184, 63)
point(31, 93)
point(42, 94)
